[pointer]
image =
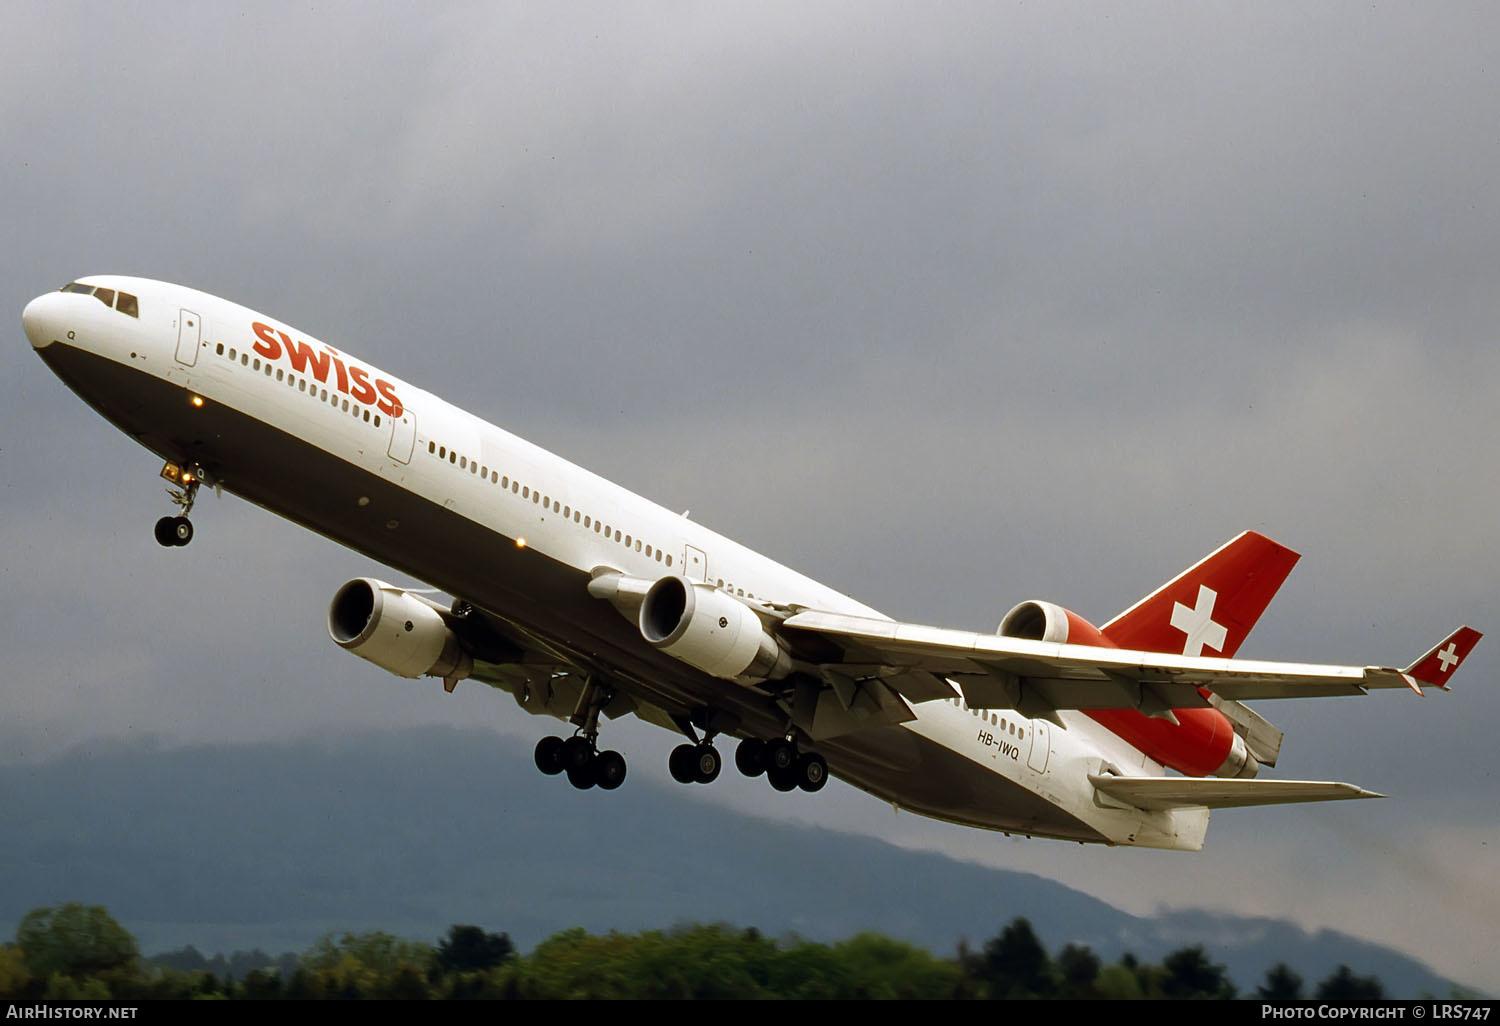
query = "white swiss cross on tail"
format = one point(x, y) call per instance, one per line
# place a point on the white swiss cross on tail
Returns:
point(1198, 624)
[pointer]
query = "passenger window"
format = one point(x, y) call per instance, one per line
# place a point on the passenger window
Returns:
point(280, 374)
point(669, 561)
point(220, 350)
point(126, 304)
point(245, 360)
point(432, 447)
point(463, 463)
point(257, 363)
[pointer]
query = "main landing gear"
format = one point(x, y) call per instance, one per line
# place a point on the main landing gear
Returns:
point(783, 765)
point(178, 530)
point(579, 756)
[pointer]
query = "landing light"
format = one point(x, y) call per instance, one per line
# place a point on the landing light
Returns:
point(520, 543)
point(197, 400)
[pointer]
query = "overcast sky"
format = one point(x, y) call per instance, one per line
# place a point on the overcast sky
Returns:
point(949, 306)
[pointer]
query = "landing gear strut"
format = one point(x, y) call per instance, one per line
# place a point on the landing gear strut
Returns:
point(178, 530)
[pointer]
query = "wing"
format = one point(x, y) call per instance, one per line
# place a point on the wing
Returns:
point(1035, 677)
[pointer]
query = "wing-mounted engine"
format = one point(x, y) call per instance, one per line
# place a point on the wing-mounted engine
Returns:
point(706, 628)
point(399, 632)
point(1196, 741)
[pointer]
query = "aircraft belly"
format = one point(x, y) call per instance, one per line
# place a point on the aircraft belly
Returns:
point(372, 513)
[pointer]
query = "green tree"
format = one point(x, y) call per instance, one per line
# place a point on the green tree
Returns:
point(1190, 974)
point(1015, 964)
point(1281, 984)
point(364, 965)
point(14, 976)
point(74, 940)
point(1343, 985)
point(1079, 968)
point(470, 949)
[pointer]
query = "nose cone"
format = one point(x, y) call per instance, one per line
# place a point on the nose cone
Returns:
point(41, 320)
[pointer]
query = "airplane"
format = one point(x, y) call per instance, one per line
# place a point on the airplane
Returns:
point(587, 602)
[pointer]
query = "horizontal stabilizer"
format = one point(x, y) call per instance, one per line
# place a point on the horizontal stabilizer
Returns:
point(1159, 793)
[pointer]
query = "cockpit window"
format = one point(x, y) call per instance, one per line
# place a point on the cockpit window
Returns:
point(124, 302)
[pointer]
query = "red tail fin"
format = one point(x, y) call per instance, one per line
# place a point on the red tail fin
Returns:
point(1210, 607)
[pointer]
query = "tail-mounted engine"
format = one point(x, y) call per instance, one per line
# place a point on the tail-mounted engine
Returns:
point(706, 628)
point(399, 632)
point(1198, 741)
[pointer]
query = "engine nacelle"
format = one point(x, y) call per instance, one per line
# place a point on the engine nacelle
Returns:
point(708, 629)
point(1047, 621)
point(1201, 743)
point(396, 630)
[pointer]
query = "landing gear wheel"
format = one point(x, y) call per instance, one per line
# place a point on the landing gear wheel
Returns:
point(182, 530)
point(781, 755)
point(706, 763)
point(812, 772)
point(583, 777)
point(577, 754)
point(609, 770)
point(165, 535)
point(549, 756)
point(683, 764)
point(750, 757)
point(783, 779)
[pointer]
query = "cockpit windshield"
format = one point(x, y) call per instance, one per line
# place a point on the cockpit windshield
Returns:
point(123, 302)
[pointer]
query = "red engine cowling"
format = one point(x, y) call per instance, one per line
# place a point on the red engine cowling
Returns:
point(1201, 743)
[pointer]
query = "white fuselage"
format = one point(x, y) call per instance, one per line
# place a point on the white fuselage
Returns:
point(393, 471)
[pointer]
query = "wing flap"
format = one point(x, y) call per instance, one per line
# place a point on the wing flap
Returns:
point(1160, 793)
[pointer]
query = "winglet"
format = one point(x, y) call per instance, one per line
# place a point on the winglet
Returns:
point(1443, 661)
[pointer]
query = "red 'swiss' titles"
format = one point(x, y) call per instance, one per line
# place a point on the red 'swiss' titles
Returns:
point(352, 380)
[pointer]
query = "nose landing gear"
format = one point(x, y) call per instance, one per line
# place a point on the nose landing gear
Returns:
point(178, 530)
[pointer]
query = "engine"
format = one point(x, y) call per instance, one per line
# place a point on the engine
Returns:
point(1046, 621)
point(1201, 743)
point(706, 628)
point(396, 630)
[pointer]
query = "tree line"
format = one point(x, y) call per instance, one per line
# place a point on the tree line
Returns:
point(79, 952)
